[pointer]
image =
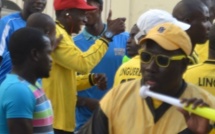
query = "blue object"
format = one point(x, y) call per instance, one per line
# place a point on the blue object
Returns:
point(17, 99)
point(108, 65)
point(8, 25)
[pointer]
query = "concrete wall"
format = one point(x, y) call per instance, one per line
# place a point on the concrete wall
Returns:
point(130, 9)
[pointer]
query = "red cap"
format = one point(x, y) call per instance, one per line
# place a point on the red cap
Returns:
point(68, 4)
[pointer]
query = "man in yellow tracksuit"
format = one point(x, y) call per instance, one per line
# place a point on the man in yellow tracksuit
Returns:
point(61, 86)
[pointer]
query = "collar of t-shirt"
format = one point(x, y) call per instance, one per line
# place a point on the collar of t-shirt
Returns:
point(89, 36)
point(59, 24)
point(156, 103)
point(194, 59)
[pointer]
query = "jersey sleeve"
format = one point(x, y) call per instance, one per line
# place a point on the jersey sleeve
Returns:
point(19, 102)
point(5, 32)
point(70, 56)
point(83, 82)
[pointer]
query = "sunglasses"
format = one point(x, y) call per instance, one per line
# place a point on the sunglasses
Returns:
point(161, 60)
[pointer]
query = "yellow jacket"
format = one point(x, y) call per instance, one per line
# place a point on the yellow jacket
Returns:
point(202, 51)
point(61, 86)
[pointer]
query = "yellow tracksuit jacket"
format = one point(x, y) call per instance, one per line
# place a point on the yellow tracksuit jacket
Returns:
point(61, 86)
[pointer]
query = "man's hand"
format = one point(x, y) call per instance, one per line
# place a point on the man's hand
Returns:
point(56, 42)
point(90, 103)
point(100, 80)
point(195, 123)
point(115, 26)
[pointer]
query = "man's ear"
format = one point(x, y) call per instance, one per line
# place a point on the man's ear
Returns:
point(34, 55)
point(187, 20)
point(185, 63)
point(68, 16)
point(66, 13)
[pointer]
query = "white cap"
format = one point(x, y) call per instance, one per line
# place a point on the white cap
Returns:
point(154, 17)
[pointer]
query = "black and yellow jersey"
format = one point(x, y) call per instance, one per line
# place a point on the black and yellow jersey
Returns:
point(124, 111)
point(202, 75)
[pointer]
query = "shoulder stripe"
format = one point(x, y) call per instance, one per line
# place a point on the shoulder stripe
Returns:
point(210, 61)
point(3, 39)
point(5, 35)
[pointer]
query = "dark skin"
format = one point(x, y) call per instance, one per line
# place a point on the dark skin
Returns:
point(94, 24)
point(211, 54)
point(72, 19)
point(197, 15)
point(47, 25)
point(155, 76)
point(32, 6)
point(20, 126)
point(212, 10)
point(31, 70)
point(101, 82)
point(25, 70)
point(132, 48)
point(152, 77)
point(196, 124)
point(211, 6)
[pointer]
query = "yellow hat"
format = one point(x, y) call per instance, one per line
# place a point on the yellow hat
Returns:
point(170, 37)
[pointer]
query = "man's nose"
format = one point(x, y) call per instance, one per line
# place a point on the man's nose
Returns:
point(152, 65)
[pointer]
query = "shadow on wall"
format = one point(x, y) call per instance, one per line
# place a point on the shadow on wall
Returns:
point(9, 7)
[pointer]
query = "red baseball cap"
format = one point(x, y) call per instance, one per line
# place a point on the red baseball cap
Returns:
point(68, 4)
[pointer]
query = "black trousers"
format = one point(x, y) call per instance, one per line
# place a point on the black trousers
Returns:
point(57, 131)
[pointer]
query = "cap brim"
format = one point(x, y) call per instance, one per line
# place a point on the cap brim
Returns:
point(161, 41)
point(182, 25)
point(138, 36)
point(87, 7)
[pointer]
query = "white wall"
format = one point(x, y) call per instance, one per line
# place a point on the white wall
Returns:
point(130, 9)
point(49, 8)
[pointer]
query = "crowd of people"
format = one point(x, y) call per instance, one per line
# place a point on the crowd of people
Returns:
point(52, 82)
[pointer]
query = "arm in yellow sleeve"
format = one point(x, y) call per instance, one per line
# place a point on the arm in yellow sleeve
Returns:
point(71, 57)
point(84, 81)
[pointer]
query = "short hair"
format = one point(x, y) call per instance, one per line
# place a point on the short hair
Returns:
point(39, 21)
point(97, 1)
point(211, 37)
point(22, 42)
point(187, 9)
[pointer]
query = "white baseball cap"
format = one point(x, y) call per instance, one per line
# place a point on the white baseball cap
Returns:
point(153, 17)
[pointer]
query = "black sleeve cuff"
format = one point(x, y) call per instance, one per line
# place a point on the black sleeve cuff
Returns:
point(105, 41)
point(91, 79)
